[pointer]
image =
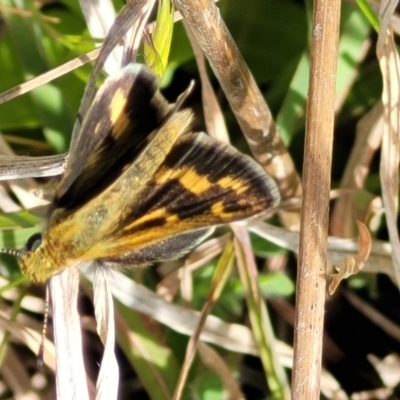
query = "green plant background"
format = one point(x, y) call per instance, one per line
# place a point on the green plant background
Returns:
point(273, 37)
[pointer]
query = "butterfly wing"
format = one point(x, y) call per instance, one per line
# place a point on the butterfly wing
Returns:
point(200, 183)
point(163, 250)
point(126, 110)
point(83, 231)
point(139, 187)
point(147, 182)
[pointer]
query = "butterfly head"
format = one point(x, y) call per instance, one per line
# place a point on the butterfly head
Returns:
point(32, 259)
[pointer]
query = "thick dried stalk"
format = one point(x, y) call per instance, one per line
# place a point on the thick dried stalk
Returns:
point(311, 275)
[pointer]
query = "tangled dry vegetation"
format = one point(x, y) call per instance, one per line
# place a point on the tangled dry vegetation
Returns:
point(299, 303)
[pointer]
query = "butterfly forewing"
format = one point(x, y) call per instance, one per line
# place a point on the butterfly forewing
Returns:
point(126, 110)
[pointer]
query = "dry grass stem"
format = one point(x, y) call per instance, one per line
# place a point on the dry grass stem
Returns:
point(70, 371)
point(368, 140)
point(390, 150)
point(311, 274)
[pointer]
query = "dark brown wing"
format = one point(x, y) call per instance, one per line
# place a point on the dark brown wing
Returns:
point(126, 110)
point(201, 183)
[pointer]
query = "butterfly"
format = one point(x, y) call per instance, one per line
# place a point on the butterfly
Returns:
point(140, 186)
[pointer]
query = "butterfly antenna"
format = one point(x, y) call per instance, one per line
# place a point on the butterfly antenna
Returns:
point(40, 358)
point(13, 252)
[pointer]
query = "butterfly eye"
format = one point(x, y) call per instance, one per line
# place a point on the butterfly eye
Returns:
point(34, 242)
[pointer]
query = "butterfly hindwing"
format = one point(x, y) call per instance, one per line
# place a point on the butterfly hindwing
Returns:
point(163, 250)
